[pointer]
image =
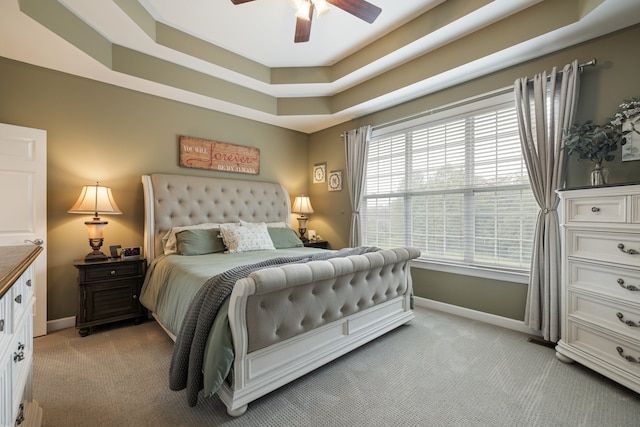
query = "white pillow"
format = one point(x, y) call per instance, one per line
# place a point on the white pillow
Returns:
point(244, 239)
point(169, 242)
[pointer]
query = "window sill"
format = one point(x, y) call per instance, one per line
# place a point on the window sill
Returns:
point(486, 273)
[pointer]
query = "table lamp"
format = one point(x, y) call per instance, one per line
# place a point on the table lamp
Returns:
point(96, 200)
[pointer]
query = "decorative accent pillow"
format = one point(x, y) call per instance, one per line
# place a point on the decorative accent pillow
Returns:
point(239, 238)
point(169, 239)
point(284, 238)
point(199, 241)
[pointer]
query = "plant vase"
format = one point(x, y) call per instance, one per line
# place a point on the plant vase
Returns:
point(599, 175)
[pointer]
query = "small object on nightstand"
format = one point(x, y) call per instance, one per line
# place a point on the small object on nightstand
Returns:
point(322, 244)
point(108, 291)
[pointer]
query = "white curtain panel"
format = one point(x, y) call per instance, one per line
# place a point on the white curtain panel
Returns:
point(546, 106)
point(356, 149)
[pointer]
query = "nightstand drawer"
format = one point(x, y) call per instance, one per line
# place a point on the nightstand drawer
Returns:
point(110, 272)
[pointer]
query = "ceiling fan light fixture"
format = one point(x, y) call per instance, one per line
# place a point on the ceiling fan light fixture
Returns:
point(321, 6)
point(303, 10)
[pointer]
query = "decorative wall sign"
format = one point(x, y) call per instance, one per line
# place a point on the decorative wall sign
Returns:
point(205, 154)
point(335, 181)
point(319, 173)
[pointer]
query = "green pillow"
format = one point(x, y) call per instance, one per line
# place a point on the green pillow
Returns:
point(284, 238)
point(199, 241)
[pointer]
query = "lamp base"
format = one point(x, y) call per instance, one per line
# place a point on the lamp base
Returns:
point(95, 256)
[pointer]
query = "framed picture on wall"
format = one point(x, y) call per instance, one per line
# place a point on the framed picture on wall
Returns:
point(319, 173)
point(335, 181)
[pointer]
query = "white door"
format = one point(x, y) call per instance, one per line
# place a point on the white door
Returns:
point(23, 194)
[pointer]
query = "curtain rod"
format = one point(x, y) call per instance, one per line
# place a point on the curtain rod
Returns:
point(591, 63)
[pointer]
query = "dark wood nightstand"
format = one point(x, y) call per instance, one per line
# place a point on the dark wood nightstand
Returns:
point(322, 244)
point(109, 291)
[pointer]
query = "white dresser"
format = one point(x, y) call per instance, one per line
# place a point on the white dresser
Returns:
point(601, 281)
point(16, 337)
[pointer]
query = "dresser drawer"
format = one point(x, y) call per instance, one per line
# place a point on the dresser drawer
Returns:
point(5, 322)
point(611, 349)
point(611, 209)
point(21, 357)
point(635, 209)
point(615, 316)
point(604, 246)
point(110, 272)
point(615, 282)
point(20, 300)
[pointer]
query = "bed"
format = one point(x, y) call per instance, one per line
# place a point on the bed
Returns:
point(289, 310)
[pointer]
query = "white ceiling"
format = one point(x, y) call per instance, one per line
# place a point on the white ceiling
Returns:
point(263, 30)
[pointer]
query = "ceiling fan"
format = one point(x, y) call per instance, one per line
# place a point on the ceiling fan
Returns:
point(305, 8)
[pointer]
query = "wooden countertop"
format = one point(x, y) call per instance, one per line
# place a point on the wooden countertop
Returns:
point(14, 260)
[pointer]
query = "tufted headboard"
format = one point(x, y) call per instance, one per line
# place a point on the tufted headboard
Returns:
point(179, 200)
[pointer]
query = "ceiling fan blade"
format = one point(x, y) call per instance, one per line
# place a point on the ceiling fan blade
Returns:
point(240, 1)
point(360, 8)
point(303, 27)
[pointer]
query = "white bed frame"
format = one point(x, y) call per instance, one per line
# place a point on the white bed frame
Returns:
point(175, 200)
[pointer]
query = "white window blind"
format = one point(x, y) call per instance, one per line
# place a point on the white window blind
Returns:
point(455, 186)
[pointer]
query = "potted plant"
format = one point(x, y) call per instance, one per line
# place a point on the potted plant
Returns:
point(594, 142)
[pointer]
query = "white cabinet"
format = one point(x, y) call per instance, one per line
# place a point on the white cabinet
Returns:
point(601, 281)
point(16, 337)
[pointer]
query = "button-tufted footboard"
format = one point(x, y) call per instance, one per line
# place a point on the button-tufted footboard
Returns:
point(289, 320)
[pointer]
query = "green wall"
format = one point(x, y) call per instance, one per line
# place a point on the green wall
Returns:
point(602, 89)
point(101, 132)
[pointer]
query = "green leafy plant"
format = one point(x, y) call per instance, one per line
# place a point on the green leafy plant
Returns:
point(594, 142)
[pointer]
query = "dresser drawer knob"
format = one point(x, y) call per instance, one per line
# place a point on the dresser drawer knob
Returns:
point(627, 287)
point(29, 283)
point(113, 272)
point(627, 251)
point(595, 209)
point(18, 357)
point(629, 359)
point(1, 325)
point(627, 322)
point(18, 299)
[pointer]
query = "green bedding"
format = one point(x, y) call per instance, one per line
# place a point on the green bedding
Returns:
point(173, 280)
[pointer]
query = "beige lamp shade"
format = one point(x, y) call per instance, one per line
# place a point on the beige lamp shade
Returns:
point(96, 200)
point(302, 205)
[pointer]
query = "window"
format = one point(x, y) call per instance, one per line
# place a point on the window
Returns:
point(453, 184)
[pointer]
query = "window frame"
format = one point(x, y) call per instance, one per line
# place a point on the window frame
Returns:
point(449, 112)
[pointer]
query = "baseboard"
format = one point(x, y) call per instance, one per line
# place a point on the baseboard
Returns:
point(59, 324)
point(468, 313)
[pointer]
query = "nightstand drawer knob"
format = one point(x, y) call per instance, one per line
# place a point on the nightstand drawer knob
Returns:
point(1, 325)
point(595, 209)
point(18, 357)
point(29, 283)
point(113, 272)
point(18, 299)
point(135, 297)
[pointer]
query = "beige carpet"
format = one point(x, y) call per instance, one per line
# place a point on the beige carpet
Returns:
point(441, 370)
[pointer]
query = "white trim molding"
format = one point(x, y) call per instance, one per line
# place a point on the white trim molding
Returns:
point(505, 322)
